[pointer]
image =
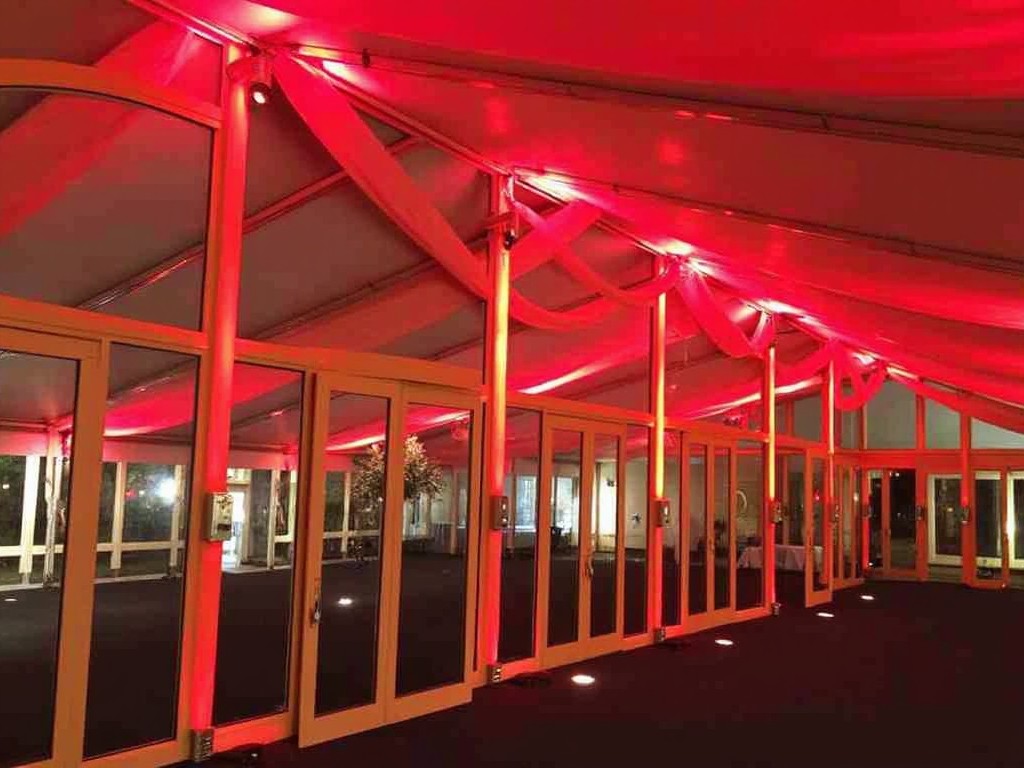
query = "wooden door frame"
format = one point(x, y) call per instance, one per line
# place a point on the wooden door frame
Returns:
point(814, 596)
point(584, 646)
point(847, 572)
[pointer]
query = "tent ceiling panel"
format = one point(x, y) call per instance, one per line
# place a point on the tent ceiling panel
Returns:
point(36, 389)
point(931, 48)
point(457, 339)
point(341, 243)
point(944, 198)
point(284, 156)
point(76, 31)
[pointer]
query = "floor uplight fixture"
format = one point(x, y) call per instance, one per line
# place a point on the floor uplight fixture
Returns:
point(10, 599)
point(825, 615)
point(869, 598)
point(723, 641)
point(583, 679)
point(345, 602)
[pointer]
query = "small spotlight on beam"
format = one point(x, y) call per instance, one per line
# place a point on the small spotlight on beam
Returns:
point(869, 598)
point(259, 93)
point(825, 615)
point(583, 679)
point(345, 602)
point(722, 641)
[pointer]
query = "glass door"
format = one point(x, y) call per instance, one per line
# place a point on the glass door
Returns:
point(989, 521)
point(581, 557)
point(1015, 519)
point(790, 554)
point(52, 398)
point(900, 522)
point(846, 532)
point(389, 607)
point(711, 567)
point(945, 525)
point(817, 526)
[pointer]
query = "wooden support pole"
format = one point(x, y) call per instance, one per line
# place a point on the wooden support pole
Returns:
point(769, 426)
point(828, 431)
point(656, 465)
point(220, 320)
point(496, 368)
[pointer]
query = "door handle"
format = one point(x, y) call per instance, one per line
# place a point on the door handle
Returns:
point(315, 614)
point(590, 565)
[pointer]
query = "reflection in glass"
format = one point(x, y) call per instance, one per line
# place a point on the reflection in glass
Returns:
point(988, 525)
point(435, 536)
point(149, 433)
point(848, 527)
point(722, 528)
point(636, 530)
point(697, 592)
point(790, 555)
point(903, 518)
point(35, 391)
point(858, 526)
point(519, 551)
point(1017, 519)
point(817, 552)
point(355, 493)
point(945, 508)
point(671, 552)
point(563, 579)
point(604, 527)
point(875, 519)
point(749, 520)
point(256, 585)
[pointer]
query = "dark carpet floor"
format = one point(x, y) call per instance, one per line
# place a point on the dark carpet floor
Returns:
point(925, 675)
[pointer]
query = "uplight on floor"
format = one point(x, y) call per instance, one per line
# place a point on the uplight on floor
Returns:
point(345, 602)
point(583, 679)
point(723, 641)
point(10, 599)
point(867, 597)
point(825, 615)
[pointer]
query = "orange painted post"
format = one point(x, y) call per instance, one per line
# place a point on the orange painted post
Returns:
point(656, 466)
point(496, 366)
point(769, 426)
point(220, 319)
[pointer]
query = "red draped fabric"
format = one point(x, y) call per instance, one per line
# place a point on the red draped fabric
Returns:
point(713, 320)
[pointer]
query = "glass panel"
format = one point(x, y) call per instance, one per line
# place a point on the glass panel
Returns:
point(817, 552)
point(256, 590)
point(519, 560)
point(789, 535)
point(435, 536)
point(563, 579)
point(946, 513)
point(749, 519)
point(149, 431)
point(637, 500)
point(108, 491)
point(849, 527)
point(35, 392)
point(987, 525)
point(985, 435)
point(1017, 521)
point(807, 418)
point(941, 426)
point(355, 465)
point(671, 551)
point(722, 524)
point(858, 523)
point(697, 592)
point(892, 417)
point(903, 518)
point(112, 208)
point(875, 520)
point(604, 526)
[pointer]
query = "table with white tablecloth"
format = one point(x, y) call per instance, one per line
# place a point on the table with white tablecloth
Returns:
point(788, 557)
